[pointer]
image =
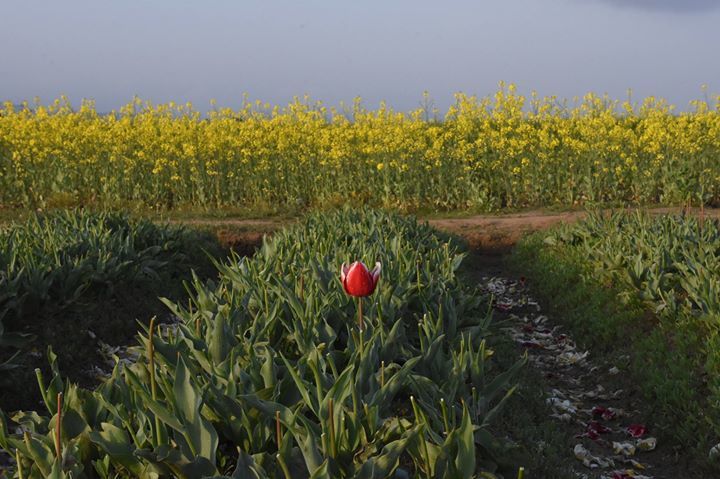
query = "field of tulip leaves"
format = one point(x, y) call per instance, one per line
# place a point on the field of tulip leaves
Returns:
point(652, 290)
point(267, 372)
point(482, 154)
point(55, 268)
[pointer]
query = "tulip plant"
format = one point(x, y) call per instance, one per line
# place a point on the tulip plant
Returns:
point(59, 258)
point(359, 282)
point(263, 376)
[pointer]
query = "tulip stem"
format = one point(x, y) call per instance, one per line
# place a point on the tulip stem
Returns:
point(331, 426)
point(153, 386)
point(283, 466)
point(361, 324)
point(58, 426)
point(278, 431)
point(43, 391)
point(446, 423)
point(417, 273)
point(151, 359)
point(19, 464)
point(267, 303)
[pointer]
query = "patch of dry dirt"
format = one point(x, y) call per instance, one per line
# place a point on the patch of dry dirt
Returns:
point(488, 233)
point(498, 234)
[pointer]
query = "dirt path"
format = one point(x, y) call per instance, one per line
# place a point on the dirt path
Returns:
point(594, 407)
point(576, 406)
point(492, 234)
point(488, 233)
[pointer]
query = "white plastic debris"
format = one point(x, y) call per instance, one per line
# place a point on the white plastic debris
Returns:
point(714, 454)
point(565, 417)
point(562, 405)
point(572, 357)
point(589, 460)
point(647, 444)
point(625, 448)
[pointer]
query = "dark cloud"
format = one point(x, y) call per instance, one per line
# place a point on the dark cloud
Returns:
point(679, 6)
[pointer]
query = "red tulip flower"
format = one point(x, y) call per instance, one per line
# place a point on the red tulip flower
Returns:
point(357, 280)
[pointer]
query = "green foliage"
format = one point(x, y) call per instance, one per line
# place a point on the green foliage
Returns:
point(58, 258)
point(648, 285)
point(266, 371)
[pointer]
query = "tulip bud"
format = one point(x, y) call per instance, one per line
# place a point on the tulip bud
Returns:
point(357, 280)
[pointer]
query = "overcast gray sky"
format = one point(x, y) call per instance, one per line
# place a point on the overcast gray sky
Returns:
point(335, 50)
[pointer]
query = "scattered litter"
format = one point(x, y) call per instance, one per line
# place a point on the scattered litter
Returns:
point(647, 444)
point(636, 430)
point(588, 460)
point(624, 448)
point(564, 406)
point(714, 454)
point(605, 413)
point(597, 393)
point(617, 394)
point(565, 417)
point(598, 427)
point(608, 438)
point(626, 474)
point(572, 357)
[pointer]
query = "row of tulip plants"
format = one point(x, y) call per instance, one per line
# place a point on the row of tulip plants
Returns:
point(58, 258)
point(297, 362)
point(664, 272)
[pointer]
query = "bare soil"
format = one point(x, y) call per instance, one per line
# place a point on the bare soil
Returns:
point(488, 234)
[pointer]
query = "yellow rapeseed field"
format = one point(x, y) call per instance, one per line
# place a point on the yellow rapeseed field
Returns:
point(484, 154)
